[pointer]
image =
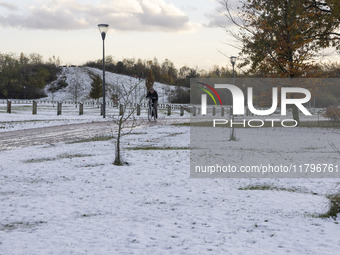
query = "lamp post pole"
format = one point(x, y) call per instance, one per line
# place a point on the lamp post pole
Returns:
point(103, 30)
point(232, 134)
point(104, 103)
point(233, 61)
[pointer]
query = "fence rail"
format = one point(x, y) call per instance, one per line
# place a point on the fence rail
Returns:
point(91, 103)
point(10, 104)
point(93, 106)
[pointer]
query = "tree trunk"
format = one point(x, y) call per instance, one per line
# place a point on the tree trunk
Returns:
point(295, 112)
point(118, 161)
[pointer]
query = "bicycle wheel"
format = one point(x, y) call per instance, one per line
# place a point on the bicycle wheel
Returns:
point(154, 113)
point(149, 113)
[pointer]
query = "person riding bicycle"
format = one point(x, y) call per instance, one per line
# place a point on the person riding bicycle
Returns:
point(153, 95)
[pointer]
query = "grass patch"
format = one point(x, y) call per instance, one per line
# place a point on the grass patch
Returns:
point(86, 215)
point(334, 206)
point(20, 225)
point(149, 148)
point(137, 133)
point(91, 165)
point(21, 121)
point(186, 124)
point(267, 124)
point(39, 160)
point(93, 139)
point(174, 134)
point(319, 124)
point(269, 187)
point(102, 138)
point(61, 156)
point(210, 124)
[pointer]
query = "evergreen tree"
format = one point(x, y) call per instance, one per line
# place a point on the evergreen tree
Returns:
point(96, 87)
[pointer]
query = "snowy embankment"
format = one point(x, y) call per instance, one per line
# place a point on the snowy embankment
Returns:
point(79, 81)
point(69, 198)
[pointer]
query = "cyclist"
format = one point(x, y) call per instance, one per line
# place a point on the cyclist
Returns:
point(153, 95)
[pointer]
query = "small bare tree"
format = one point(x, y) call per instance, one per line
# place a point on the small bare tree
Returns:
point(126, 119)
point(75, 84)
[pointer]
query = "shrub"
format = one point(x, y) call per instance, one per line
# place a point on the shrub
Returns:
point(333, 113)
point(334, 206)
point(180, 96)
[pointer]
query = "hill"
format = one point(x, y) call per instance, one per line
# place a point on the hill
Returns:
point(74, 83)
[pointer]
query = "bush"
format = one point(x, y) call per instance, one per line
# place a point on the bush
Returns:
point(326, 100)
point(334, 206)
point(60, 84)
point(180, 96)
point(333, 113)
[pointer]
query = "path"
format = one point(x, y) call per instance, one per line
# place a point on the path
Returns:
point(63, 133)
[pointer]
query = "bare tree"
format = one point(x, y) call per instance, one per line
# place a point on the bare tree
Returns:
point(126, 120)
point(74, 85)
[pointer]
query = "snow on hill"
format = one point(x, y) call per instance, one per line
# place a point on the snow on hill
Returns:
point(77, 82)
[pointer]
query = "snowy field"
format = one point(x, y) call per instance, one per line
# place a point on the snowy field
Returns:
point(68, 198)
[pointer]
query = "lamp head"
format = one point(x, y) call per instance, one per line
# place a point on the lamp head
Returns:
point(233, 59)
point(103, 28)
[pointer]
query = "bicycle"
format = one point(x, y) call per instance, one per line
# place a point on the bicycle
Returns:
point(151, 110)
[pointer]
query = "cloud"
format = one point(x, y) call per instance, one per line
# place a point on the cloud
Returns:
point(217, 20)
point(8, 6)
point(122, 15)
point(218, 17)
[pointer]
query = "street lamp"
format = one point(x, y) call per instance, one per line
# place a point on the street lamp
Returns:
point(232, 133)
point(103, 30)
point(233, 61)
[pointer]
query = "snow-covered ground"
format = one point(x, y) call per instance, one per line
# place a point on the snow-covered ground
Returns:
point(69, 198)
point(22, 118)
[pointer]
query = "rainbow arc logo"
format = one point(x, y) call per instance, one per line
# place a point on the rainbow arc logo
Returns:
point(209, 93)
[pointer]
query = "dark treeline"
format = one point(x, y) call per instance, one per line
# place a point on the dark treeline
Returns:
point(164, 72)
point(26, 76)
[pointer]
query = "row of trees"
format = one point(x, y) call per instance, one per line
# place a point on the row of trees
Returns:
point(26, 76)
point(164, 72)
point(324, 96)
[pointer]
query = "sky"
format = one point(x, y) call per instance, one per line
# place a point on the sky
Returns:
point(185, 31)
